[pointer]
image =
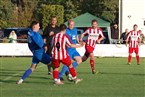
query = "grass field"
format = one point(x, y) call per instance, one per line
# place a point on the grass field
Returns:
point(115, 79)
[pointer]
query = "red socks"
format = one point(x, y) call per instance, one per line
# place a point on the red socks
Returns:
point(138, 59)
point(129, 58)
point(92, 63)
point(72, 72)
point(55, 74)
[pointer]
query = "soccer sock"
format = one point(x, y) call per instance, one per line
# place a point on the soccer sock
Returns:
point(129, 58)
point(27, 73)
point(92, 64)
point(72, 72)
point(75, 64)
point(55, 74)
point(64, 69)
point(138, 59)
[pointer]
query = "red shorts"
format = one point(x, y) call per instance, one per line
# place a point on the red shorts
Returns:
point(89, 50)
point(131, 50)
point(56, 62)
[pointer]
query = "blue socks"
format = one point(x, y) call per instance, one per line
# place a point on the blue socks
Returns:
point(65, 68)
point(26, 74)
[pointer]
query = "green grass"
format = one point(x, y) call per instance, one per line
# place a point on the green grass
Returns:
point(115, 79)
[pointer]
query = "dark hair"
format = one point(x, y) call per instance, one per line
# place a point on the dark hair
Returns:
point(62, 27)
point(33, 23)
point(94, 20)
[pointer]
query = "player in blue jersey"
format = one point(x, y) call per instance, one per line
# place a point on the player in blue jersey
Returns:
point(36, 45)
point(71, 31)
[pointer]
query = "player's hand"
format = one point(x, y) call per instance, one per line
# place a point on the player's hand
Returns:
point(82, 43)
point(126, 44)
point(98, 41)
point(51, 33)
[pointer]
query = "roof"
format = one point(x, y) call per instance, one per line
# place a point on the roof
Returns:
point(84, 20)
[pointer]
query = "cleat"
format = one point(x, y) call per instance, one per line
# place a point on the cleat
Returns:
point(77, 80)
point(129, 63)
point(61, 79)
point(49, 73)
point(138, 63)
point(19, 82)
point(93, 72)
point(69, 77)
point(58, 83)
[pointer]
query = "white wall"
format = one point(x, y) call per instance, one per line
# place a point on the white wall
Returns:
point(101, 50)
point(133, 13)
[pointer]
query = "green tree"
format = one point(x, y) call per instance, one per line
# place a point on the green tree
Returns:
point(24, 12)
point(106, 9)
point(48, 11)
point(6, 13)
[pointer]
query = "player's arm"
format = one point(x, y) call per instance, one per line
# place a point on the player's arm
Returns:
point(69, 43)
point(38, 40)
point(82, 35)
point(101, 37)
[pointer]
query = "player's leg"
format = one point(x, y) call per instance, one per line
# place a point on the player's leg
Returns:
point(27, 73)
point(92, 63)
point(72, 71)
point(50, 66)
point(56, 64)
point(77, 60)
point(130, 55)
point(137, 56)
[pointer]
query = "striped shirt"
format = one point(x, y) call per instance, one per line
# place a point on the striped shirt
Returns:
point(133, 38)
point(93, 36)
point(60, 42)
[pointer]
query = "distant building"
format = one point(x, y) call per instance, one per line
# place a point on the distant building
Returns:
point(132, 12)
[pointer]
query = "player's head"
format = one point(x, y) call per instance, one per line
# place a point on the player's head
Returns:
point(94, 23)
point(71, 24)
point(53, 20)
point(35, 26)
point(63, 28)
point(135, 27)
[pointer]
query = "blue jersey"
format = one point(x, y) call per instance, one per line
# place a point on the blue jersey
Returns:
point(35, 42)
point(72, 34)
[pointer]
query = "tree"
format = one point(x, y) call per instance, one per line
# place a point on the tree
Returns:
point(48, 11)
point(6, 13)
point(24, 12)
point(105, 9)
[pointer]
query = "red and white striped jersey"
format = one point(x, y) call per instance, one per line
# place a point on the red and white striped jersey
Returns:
point(93, 36)
point(60, 42)
point(133, 38)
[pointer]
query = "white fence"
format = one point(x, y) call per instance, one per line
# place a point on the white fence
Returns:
point(101, 50)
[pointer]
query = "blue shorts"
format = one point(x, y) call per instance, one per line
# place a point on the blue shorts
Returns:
point(41, 57)
point(73, 53)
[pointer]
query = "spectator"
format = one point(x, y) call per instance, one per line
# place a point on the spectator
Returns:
point(12, 37)
point(1, 35)
point(124, 36)
point(114, 33)
point(142, 37)
point(49, 32)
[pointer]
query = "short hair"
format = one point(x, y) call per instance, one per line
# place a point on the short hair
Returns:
point(33, 23)
point(53, 17)
point(135, 25)
point(62, 27)
point(94, 20)
point(70, 21)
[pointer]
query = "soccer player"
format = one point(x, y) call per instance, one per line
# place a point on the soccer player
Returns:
point(36, 45)
point(49, 32)
point(71, 32)
point(133, 39)
point(59, 54)
point(95, 35)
